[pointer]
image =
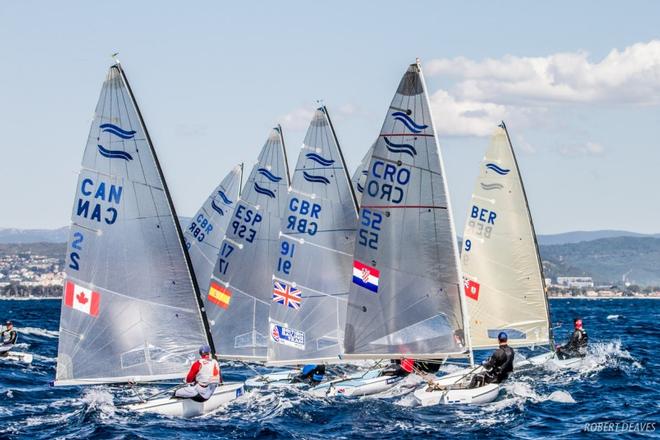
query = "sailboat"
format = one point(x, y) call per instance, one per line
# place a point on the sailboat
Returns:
point(207, 228)
point(131, 310)
point(311, 274)
point(240, 290)
point(503, 274)
point(405, 300)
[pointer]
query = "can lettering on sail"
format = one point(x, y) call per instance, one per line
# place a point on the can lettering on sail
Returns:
point(98, 200)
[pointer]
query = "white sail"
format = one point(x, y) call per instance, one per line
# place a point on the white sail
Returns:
point(504, 285)
point(239, 294)
point(359, 179)
point(207, 228)
point(312, 274)
point(405, 299)
point(130, 310)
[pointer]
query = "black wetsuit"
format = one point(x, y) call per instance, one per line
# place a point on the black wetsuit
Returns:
point(498, 367)
point(7, 338)
point(576, 345)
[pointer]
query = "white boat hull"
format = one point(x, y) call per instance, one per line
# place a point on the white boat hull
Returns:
point(552, 360)
point(472, 396)
point(168, 406)
point(17, 356)
point(359, 384)
point(428, 396)
point(277, 379)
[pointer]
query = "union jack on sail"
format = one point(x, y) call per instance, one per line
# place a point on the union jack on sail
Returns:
point(286, 295)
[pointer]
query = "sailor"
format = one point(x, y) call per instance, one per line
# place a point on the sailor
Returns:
point(311, 373)
point(498, 366)
point(577, 344)
point(402, 367)
point(203, 378)
point(7, 338)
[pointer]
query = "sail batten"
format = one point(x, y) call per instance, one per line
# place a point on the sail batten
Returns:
point(311, 277)
point(129, 281)
point(504, 285)
point(405, 298)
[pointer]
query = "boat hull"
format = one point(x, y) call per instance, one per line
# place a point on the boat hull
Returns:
point(552, 360)
point(168, 406)
point(472, 396)
point(17, 356)
point(277, 379)
point(357, 385)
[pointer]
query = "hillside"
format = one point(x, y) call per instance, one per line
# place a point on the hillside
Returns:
point(607, 260)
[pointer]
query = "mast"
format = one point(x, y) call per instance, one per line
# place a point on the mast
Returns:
point(286, 159)
point(343, 162)
point(240, 185)
point(177, 225)
point(461, 288)
point(536, 245)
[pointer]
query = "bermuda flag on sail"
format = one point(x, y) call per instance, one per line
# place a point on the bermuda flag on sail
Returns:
point(365, 276)
point(471, 289)
point(81, 299)
point(286, 295)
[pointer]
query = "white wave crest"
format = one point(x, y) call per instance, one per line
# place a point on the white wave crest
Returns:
point(38, 332)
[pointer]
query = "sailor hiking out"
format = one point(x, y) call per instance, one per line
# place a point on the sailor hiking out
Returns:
point(7, 338)
point(498, 366)
point(577, 344)
point(202, 379)
point(312, 374)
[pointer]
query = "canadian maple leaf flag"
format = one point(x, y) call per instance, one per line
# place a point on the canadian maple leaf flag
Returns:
point(82, 299)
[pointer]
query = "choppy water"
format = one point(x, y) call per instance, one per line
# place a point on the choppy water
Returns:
point(619, 384)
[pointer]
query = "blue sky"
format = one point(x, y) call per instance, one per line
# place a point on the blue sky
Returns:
point(578, 84)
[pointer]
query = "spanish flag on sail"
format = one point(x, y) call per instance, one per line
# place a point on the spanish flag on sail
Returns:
point(219, 295)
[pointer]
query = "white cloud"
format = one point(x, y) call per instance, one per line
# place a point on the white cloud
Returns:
point(631, 75)
point(586, 149)
point(464, 118)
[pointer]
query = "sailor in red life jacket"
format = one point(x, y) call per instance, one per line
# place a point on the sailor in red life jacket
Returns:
point(203, 378)
point(398, 367)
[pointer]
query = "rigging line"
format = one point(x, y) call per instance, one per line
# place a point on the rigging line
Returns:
point(299, 240)
point(320, 293)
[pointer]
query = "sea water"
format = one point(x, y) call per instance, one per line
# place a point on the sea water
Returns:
point(613, 395)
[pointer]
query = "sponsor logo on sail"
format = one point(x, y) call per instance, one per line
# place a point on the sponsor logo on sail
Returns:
point(265, 191)
point(224, 198)
point(471, 289)
point(319, 159)
point(315, 179)
point(287, 295)
point(118, 131)
point(365, 276)
point(219, 295)
point(82, 299)
point(114, 154)
point(216, 208)
point(491, 186)
point(400, 148)
point(499, 170)
point(268, 175)
point(408, 122)
point(287, 336)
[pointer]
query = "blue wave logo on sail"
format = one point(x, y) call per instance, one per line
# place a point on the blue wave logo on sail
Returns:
point(360, 188)
point(118, 131)
point(216, 208)
point(224, 198)
point(409, 122)
point(315, 179)
point(268, 175)
point(319, 159)
point(264, 191)
point(498, 170)
point(491, 186)
point(114, 154)
point(400, 148)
